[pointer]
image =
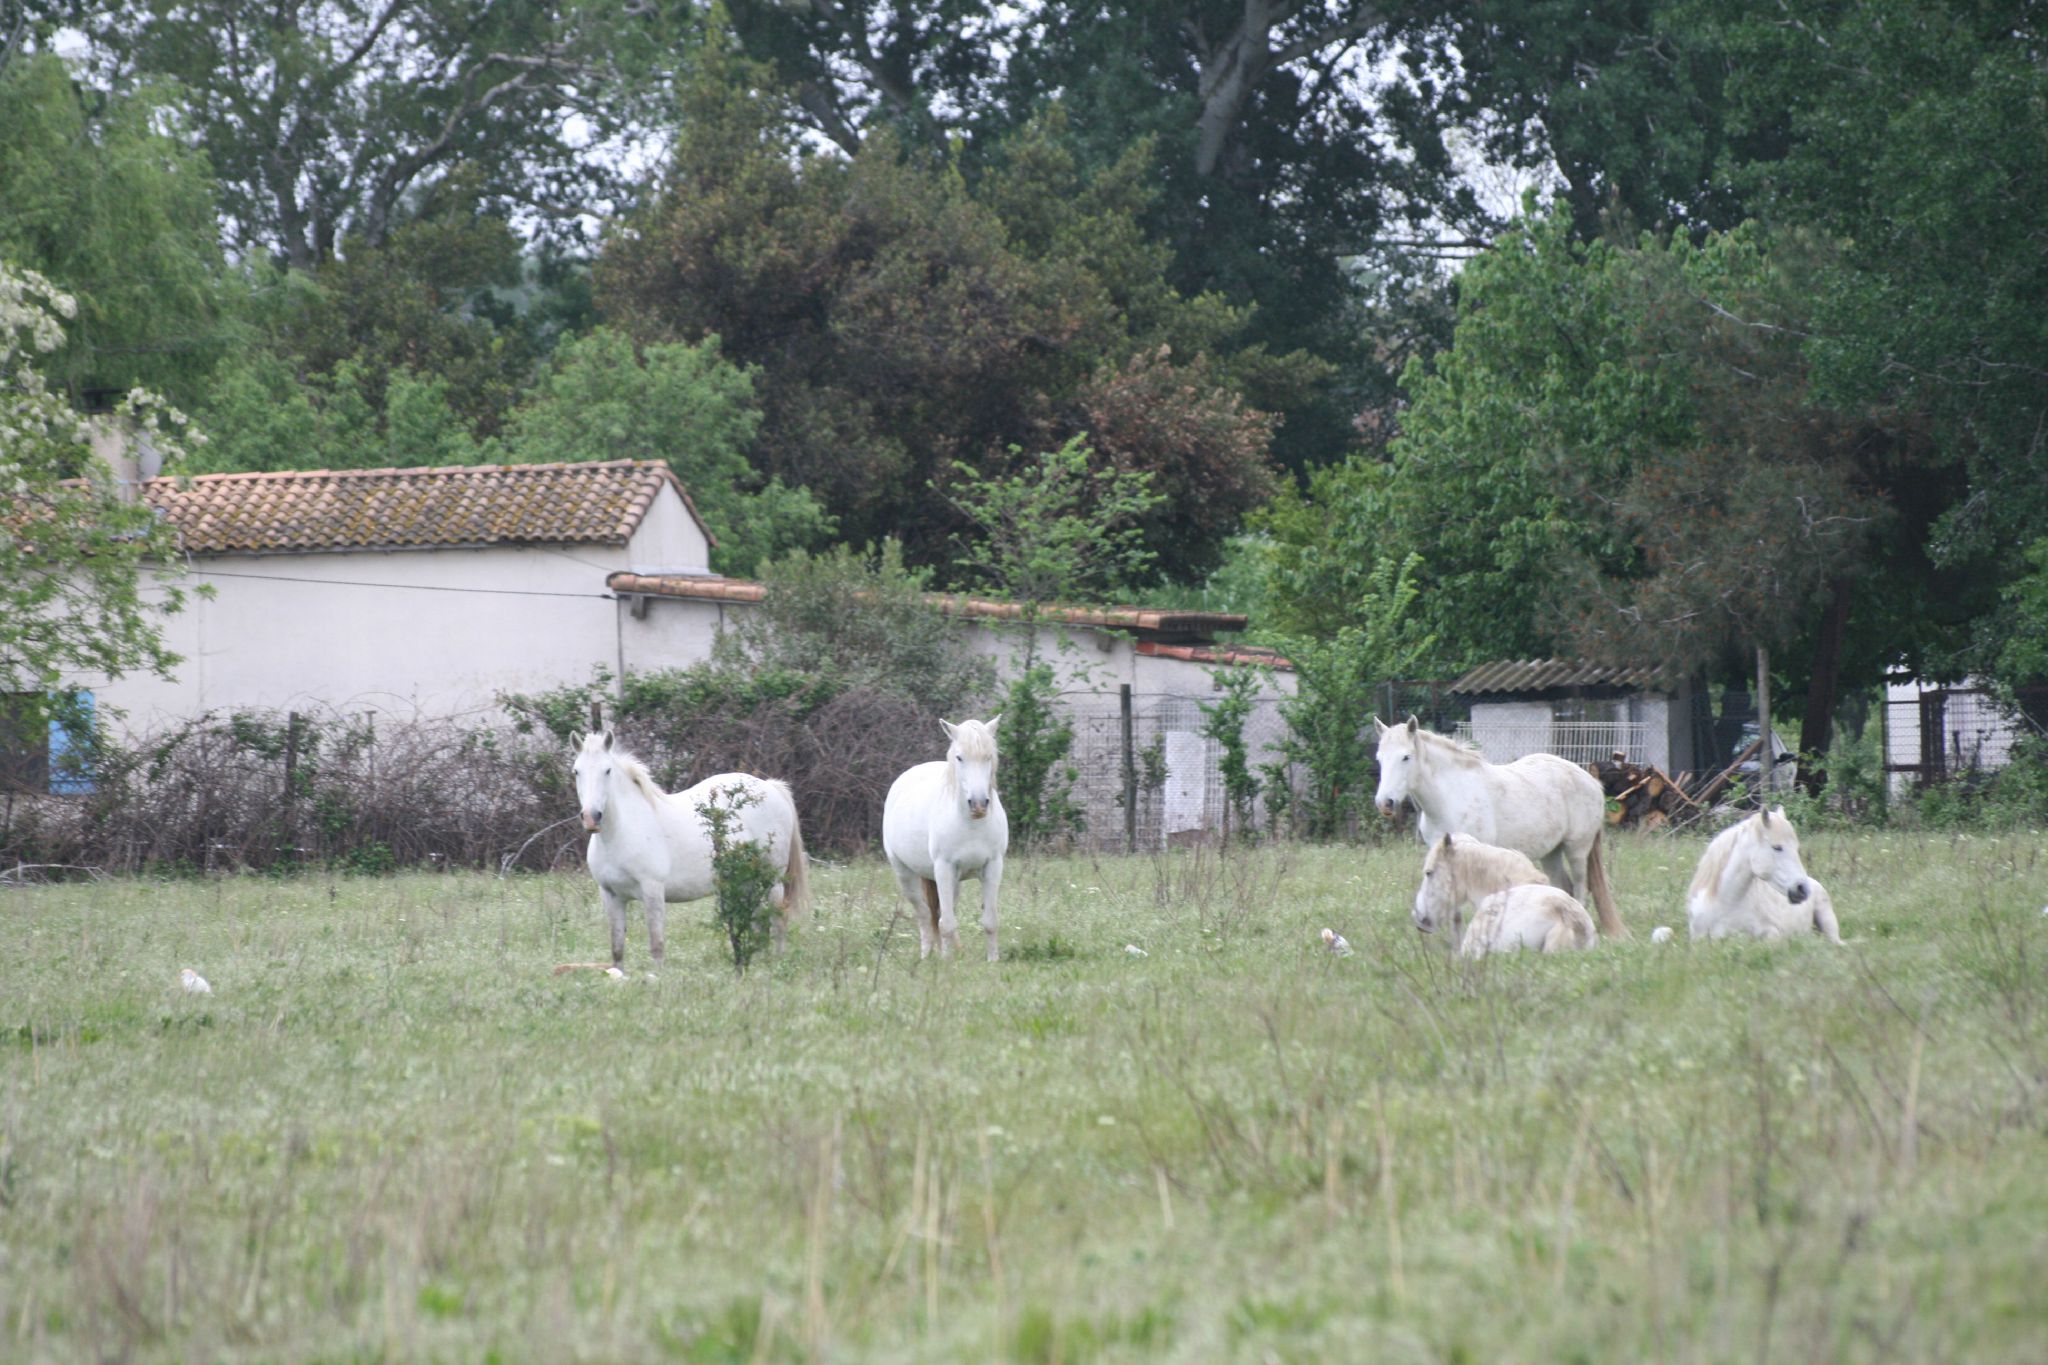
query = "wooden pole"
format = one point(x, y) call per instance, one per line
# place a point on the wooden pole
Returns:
point(596, 716)
point(1123, 698)
point(1766, 768)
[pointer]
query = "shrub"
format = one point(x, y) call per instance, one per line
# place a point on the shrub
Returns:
point(1038, 780)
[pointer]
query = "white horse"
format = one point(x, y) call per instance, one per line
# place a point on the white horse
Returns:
point(654, 847)
point(1750, 881)
point(1544, 806)
point(942, 823)
point(1515, 907)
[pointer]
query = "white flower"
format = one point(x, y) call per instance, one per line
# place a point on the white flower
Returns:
point(193, 982)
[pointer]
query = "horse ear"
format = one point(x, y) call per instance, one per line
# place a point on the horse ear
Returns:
point(952, 730)
point(1413, 724)
point(1379, 727)
point(1445, 846)
point(607, 736)
point(993, 719)
point(1778, 812)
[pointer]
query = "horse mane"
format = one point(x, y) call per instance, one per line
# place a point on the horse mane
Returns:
point(974, 740)
point(642, 780)
point(1457, 750)
point(1715, 860)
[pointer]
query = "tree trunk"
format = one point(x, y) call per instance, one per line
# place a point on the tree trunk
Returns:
point(1823, 690)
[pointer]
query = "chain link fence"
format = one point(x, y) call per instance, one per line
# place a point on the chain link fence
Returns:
point(1173, 773)
point(1948, 732)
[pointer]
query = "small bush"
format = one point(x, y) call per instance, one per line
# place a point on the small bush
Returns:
point(742, 875)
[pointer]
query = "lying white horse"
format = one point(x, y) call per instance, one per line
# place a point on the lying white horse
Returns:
point(654, 847)
point(942, 823)
point(1750, 881)
point(1544, 806)
point(1514, 906)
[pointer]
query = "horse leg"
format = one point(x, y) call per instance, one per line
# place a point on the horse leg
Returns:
point(991, 878)
point(948, 878)
point(615, 912)
point(1559, 936)
point(1563, 873)
point(924, 906)
point(654, 897)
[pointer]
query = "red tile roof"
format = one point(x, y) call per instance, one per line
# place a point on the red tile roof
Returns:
point(1256, 655)
point(1147, 620)
point(461, 506)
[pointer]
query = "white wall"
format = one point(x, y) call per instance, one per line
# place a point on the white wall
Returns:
point(429, 632)
point(1508, 730)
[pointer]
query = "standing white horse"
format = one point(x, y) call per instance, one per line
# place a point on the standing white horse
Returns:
point(1544, 806)
point(654, 847)
point(1750, 881)
point(942, 823)
point(1516, 908)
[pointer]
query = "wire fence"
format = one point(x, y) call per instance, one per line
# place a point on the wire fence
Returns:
point(1173, 773)
point(1950, 732)
point(1581, 741)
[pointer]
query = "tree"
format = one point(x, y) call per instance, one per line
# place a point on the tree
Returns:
point(1057, 529)
point(1624, 458)
point(1915, 141)
point(323, 119)
point(75, 554)
point(898, 324)
point(605, 399)
point(1335, 679)
point(105, 197)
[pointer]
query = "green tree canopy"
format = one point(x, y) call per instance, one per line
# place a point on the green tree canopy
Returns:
point(605, 399)
point(102, 196)
point(897, 326)
point(75, 555)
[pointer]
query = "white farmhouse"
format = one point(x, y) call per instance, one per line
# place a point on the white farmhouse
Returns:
point(427, 591)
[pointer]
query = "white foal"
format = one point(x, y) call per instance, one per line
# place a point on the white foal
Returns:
point(1514, 906)
point(1750, 881)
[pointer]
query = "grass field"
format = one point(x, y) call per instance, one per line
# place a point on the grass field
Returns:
point(392, 1133)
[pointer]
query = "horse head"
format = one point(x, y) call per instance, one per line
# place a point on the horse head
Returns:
point(1400, 752)
point(1437, 898)
point(1770, 849)
point(971, 763)
point(593, 768)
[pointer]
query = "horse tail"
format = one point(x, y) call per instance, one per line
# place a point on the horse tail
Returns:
point(1603, 895)
point(796, 881)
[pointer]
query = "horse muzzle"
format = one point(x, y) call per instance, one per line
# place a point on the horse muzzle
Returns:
point(591, 822)
point(1389, 809)
point(1798, 893)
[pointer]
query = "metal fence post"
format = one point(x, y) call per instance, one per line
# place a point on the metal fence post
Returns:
point(1123, 697)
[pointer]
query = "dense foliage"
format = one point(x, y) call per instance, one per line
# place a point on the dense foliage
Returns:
point(1761, 362)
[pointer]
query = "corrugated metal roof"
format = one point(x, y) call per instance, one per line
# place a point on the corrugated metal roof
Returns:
point(1544, 675)
point(451, 507)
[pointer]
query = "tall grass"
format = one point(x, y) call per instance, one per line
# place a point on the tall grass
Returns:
point(392, 1132)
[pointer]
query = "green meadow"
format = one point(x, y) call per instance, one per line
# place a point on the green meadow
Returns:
point(392, 1132)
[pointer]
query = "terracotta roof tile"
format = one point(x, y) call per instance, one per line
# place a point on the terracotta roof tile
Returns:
point(385, 509)
point(710, 588)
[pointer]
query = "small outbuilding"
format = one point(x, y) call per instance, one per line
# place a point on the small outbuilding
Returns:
point(1583, 712)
